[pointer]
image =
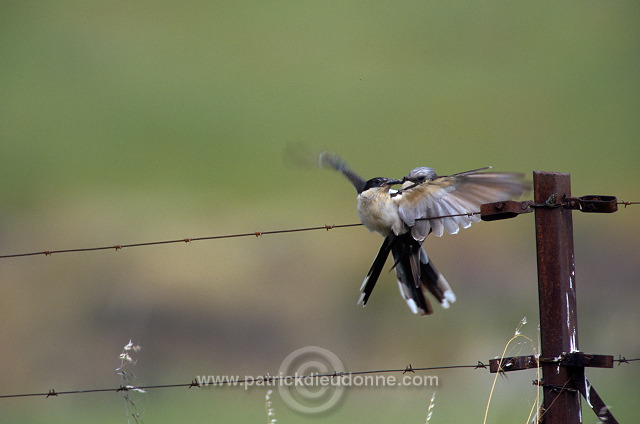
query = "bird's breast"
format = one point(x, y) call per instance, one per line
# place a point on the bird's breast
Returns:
point(378, 213)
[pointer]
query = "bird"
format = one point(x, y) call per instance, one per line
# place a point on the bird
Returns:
point(425, 203)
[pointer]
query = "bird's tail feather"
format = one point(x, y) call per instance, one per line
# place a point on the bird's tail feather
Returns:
point(376, 268)
point(435, 281)
point(413, 284)
point(417, 276)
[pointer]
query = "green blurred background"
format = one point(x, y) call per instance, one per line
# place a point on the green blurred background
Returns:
point(124, 122)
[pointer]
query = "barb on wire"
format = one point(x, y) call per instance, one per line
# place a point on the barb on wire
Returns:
point(622, 202)
point(622, 360)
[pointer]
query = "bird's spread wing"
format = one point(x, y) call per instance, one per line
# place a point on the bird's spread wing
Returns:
point(333, 161)
point(459, 194)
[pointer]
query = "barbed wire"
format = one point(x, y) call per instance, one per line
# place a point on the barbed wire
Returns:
point(183, 240)
point(263, 379)
point(238, 235)
point(219, 237)
point(622, 202)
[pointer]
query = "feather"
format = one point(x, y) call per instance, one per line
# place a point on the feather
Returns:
point(415, 280)
point(333, 161)
point(376, 268)
point(458, 194)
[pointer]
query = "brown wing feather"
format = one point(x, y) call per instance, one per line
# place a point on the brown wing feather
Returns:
point(454, 195)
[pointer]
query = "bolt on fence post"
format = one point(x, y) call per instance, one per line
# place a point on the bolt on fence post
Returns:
point(557, 293)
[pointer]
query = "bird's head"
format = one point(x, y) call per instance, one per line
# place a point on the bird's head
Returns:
point(420, 175)
point(380, 182)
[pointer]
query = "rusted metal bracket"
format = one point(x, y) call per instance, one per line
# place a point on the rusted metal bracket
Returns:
point(592, 203)
point(580, 359)
point(513, 363)
point(504, 210)
point(510, 208)
point(575, 360)
point(572, 359)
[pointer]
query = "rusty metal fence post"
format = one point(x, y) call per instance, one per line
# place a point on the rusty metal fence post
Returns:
point(557, 293)
point(562, 364)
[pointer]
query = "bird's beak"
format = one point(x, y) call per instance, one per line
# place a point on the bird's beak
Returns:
point(408, 187)
point(393, 182)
